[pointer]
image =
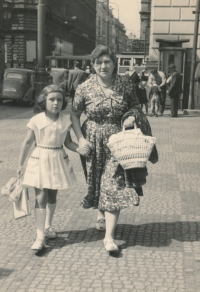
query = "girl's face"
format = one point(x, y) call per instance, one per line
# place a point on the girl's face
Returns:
point(54, 102)
point(104, 67)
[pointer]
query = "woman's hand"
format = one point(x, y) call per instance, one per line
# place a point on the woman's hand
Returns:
point(85, 147)
point(129, 122)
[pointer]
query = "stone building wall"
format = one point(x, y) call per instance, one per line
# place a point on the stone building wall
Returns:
point(172, 19)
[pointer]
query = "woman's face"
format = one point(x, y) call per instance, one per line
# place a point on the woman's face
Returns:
point(54, 102)
point(104, 67)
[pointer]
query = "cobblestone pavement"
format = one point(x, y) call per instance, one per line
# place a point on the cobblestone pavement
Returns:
point(159, 240)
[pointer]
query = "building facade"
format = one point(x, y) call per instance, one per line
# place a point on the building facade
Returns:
point(172, 25)
point(172, 20)
point(2, 46)
point(145, 18)
point(117, 32)
point(69, 29)
point(145, 23)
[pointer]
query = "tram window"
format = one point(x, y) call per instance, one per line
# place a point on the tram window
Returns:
point(124, 62)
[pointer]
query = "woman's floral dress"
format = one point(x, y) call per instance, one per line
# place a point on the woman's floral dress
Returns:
point(109, 186)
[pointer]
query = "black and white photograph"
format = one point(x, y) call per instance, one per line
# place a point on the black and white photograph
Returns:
point(99, 145)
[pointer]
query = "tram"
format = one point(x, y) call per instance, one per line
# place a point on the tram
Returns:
point(129, 59)
point(125, 60)
point(67, 61)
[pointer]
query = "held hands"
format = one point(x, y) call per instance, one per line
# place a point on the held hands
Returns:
point(129, 122)
point(85, 147)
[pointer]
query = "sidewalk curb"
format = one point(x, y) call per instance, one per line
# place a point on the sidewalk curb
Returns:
point(190, 112)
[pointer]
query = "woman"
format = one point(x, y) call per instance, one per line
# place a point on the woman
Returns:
point(109, 102)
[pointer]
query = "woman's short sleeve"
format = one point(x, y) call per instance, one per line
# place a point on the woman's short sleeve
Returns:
point(79, 100)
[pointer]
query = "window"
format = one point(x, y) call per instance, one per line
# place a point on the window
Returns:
point(14, 76)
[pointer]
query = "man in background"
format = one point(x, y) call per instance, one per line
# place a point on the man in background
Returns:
point(159, 78)
point(135, 79)
point(175, 89)
point(76, 77)
point(49, 77)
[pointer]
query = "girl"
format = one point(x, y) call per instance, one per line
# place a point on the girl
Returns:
point(48, 168)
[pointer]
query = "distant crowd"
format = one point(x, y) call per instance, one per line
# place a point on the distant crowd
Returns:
point(149, 85)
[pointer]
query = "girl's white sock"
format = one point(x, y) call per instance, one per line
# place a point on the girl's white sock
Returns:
point(50, 210)
point(40, 216)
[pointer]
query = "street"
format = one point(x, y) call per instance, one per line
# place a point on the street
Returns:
point(159, 240)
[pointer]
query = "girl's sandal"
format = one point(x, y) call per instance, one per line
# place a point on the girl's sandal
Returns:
point(110, 246)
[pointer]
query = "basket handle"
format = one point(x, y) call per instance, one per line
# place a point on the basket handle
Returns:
point(135, 127)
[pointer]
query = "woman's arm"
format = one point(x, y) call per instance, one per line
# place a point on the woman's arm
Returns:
point(84, 145)
point(76, 125)
point(25, 148)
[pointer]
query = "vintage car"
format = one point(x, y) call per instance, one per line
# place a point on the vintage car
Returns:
point(18, 85)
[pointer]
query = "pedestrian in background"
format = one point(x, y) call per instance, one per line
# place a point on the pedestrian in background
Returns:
point(175, 89)
point(48, 168)
point(159, 78)
point(135, 79)
point(142, 96)
point(126, 72)
point(143, 76)
point(109, 101)
point(76, 77)
point(64, 83)
point(154, 96)
point(88, 72)
point(49, 77)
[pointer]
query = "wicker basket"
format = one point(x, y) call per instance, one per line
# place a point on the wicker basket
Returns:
point(131, 148)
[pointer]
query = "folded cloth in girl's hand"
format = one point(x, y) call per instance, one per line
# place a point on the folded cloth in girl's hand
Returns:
point(9, 186)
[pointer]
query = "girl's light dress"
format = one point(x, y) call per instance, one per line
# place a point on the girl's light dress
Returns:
point(48, 166)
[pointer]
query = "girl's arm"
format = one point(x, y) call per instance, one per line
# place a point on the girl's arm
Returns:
point(70, 144)
point(25, 148)
point(84, 145)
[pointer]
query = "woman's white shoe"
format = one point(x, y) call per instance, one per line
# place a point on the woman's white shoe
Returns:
point(110, 245)
point(38, 244)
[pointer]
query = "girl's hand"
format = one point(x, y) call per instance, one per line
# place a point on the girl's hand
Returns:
point(129, 122)
point(20, 171)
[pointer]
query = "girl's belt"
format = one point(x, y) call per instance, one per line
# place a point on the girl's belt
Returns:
point(50, 148)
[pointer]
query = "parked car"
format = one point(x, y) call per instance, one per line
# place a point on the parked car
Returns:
point(18, 85)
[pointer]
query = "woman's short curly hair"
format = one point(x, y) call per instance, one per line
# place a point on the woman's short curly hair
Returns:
point(41, 100)
point(101, 50)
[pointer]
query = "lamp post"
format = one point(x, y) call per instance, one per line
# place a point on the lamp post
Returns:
point(145, 42)
point(118, 24)
point(41, 74)
point(194, 50)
